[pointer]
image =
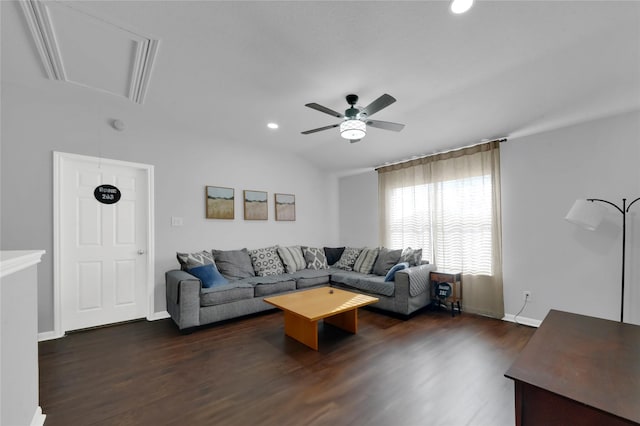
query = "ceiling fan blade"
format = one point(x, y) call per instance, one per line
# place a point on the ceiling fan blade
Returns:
point(380, 103)
point(324, 109)
point(319, 129)
point(354, 140)
point(386, 125)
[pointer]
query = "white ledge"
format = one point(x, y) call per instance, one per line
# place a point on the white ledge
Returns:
point(12, 261)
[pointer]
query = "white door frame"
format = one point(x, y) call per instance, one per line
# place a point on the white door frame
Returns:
point(58, 158)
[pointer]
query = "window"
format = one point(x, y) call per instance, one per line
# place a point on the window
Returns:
point(449, 205)
point(450, 221)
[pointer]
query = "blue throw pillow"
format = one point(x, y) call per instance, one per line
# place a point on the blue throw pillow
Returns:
point(209, 275)
point(391, 275)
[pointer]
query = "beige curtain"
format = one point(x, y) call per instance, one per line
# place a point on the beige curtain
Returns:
point(405, 188)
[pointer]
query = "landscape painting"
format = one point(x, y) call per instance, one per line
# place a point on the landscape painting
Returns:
point(255, 205)
point(285, 207)
point(220, 202)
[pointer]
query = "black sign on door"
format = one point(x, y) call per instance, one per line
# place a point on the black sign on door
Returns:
point(107, 194)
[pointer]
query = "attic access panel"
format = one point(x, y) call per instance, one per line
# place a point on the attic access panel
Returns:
point(79, 48)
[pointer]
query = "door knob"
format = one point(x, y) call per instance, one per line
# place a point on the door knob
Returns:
point(140, 251)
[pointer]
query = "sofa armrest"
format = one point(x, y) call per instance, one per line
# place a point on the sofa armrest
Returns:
point(183, 298)
point(415, 280)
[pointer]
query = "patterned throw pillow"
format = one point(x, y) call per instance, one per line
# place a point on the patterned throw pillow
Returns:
point(348, 258)
point(292, 258)
point(315, 258)
point(192, 260)
point(266, 261)
point(411, 256)
point(366, 260)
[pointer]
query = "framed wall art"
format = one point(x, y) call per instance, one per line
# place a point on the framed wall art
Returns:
point(220, 202)
point(255, 205)
point(285, 206)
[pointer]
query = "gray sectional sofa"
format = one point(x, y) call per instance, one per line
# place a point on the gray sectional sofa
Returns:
point(191, 305)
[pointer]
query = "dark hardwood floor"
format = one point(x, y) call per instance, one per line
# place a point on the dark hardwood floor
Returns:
point(429, 370)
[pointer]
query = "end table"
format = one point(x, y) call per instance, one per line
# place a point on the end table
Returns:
point(455, 280)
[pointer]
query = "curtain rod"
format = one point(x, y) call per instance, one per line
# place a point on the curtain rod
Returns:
point(376, 168)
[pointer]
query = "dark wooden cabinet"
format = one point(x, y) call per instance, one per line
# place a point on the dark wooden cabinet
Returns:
point(578, 370)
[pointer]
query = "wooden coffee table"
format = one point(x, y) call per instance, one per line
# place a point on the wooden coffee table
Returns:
point(303, 310)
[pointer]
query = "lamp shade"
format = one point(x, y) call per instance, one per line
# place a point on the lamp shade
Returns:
point(353, 129)
point(586, 214)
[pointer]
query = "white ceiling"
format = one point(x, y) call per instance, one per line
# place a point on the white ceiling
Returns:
point(504, 69)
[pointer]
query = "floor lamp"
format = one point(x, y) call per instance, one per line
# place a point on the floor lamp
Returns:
point(589, 215)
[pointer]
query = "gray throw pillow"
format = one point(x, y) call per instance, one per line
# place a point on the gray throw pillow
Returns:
point(386, 260)
point(234, 264)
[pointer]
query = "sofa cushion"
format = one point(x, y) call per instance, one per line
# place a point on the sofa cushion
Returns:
point(271, 284)
point(234, 264)
point(227, 293)
point(191, 260)
point(412, 256)
point(333, 254)
point(366, 260)
point(208, 275)
point(292, 258)
point(267, 289)
point(266, 261)
point(311, 277)
point(373, 284)
point(391, 275)
point(315, 258)
point(348, 258)
point(386, 259)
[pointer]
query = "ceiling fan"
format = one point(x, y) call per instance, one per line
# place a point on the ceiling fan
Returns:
point(356, 118)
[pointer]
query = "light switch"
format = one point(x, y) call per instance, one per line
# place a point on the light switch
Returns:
point(176, 221)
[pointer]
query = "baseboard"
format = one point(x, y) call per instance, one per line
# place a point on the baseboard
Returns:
point(522, 320)
point(38, 417)
point(158, 316)
point(49, 335)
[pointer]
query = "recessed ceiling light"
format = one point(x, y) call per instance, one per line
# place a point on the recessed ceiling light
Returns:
point(460, 6)
point(272, 125)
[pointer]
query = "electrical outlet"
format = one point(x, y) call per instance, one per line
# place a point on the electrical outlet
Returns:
point(526, 295)
point(176, 221)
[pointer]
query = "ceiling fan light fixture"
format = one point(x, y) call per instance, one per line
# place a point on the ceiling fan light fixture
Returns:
point(353, 129)
point(460, 6)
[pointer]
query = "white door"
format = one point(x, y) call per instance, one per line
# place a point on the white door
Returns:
point(103, 247)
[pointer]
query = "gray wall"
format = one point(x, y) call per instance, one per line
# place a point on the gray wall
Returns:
point(358, 195)
point(565, 267)
point(66, 118)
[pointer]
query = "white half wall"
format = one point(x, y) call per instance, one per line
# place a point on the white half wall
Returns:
point(564, 266)
point(74, 120)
